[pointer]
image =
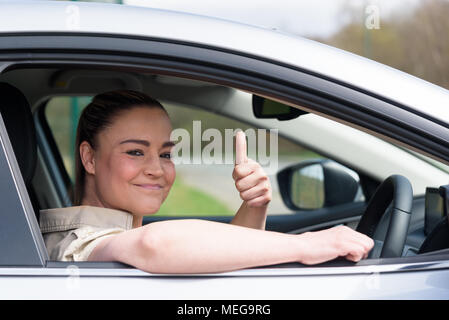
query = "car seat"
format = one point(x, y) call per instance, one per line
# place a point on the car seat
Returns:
point(18, 119)
point(438, 238)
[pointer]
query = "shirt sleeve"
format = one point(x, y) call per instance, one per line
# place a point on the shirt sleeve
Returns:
point(87, 238)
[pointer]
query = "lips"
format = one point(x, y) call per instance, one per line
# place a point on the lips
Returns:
point(150, 186)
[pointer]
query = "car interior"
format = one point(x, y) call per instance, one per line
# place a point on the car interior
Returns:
point(26, 92)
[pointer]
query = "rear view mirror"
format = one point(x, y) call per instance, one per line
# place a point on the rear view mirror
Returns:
point(266, 109)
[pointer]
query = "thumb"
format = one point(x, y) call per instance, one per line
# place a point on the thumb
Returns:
point(240, 148)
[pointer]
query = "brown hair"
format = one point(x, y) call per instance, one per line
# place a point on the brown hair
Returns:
point(98, 115)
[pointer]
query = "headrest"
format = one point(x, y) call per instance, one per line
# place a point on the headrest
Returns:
point(16, 114)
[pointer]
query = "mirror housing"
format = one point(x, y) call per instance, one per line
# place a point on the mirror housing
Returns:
point(269, 109)
point(317, 183)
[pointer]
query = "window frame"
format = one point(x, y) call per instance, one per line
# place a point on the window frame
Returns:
point(341, 102)
point(24, 245)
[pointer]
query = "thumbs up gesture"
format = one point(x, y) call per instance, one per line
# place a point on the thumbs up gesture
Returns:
point(250, 179)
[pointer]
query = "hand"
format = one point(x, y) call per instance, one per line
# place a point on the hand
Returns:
point(341, 241)
point(250, 180)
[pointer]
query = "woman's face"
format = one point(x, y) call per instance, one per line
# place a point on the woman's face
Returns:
point(133, 167)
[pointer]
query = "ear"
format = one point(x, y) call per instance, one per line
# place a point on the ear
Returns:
point(87, 155)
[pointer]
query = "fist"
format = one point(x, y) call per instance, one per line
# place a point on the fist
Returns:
point(250, 179)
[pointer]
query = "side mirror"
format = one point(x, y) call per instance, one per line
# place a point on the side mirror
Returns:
point(265, 108)
point(320, 183)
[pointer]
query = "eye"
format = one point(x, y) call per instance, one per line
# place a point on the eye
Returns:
point(135, 152)
point(166, 155)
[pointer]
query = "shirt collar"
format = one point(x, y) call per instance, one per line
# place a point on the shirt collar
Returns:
point(62, 219)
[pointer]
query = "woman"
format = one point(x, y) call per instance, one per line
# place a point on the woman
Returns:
point(124, 172)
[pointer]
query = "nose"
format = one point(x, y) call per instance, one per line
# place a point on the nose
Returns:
point(153, 167)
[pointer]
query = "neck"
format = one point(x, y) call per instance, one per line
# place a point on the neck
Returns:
point(91, 199)
point(137, 221)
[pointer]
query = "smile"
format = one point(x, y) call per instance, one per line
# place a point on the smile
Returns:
point(150, 186)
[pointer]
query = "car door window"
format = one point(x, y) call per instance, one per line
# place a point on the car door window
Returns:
point(201, 188)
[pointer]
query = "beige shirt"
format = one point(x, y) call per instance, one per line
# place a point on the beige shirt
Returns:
point(71, 233)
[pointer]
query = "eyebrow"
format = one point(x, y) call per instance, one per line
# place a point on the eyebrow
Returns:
point(146, 143)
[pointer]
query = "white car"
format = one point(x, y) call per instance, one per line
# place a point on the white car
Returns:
point(354, 124)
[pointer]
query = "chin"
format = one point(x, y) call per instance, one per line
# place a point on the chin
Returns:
point(148, 210)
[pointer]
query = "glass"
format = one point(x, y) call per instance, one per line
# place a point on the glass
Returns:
point(307, 187)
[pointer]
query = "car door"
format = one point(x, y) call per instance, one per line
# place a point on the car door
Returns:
point(264, 77)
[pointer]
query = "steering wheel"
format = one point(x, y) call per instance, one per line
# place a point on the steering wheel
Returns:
point(395, 189)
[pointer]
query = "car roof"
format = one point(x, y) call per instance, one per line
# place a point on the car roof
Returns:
point(308, 55)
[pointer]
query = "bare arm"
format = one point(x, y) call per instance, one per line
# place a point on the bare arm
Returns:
point(199, 246)
point(251, 217)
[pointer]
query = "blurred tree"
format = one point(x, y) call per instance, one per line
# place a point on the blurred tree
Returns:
point(416, 42)
point(425, 40)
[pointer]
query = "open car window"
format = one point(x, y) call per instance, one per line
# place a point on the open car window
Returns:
point(203, 127)
point(204, 164)
point(206, 113)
